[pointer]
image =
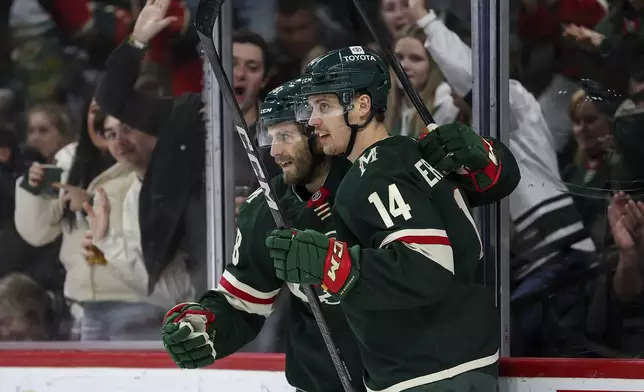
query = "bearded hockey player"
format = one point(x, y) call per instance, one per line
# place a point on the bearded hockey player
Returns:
point(407, 251)
point(230, 316)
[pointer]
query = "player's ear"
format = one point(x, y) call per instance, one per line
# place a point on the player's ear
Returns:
point(363, 104)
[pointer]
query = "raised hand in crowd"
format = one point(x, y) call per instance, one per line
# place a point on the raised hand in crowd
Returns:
point(152, 20)
point(76, 196)
point(418, 9)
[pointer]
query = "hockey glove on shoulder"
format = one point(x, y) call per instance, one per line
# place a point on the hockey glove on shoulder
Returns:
point(310, 257)
point(457, 148)
point(188, 335)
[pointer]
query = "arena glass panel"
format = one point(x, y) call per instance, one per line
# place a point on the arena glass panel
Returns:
point(575, 240)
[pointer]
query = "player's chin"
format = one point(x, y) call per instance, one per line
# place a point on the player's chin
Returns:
point(330, 149)
point(292, 175)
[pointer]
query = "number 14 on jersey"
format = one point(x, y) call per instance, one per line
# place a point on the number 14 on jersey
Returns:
point(398, 207)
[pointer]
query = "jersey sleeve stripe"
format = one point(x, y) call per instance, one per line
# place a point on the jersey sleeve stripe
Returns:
point(428, 240)
point(440, 254)
point(431, 243)
point(245, 306)
point(417, 236)
point(234, 286)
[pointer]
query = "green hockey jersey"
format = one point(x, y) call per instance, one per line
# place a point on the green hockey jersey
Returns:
point(249, 287)
point(416, 310)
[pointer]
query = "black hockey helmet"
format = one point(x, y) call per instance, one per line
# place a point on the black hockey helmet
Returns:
point(347, 73)
point(277, 123)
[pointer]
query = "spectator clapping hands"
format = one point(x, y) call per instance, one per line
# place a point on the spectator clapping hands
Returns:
point(626, 219)
point(98, 216)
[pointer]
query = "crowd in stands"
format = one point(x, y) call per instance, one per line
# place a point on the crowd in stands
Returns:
point(103, 206)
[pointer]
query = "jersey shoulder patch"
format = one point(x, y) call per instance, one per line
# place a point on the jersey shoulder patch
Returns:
point(388, 155)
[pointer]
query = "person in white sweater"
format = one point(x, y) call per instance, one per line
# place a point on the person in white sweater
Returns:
point(548, 237)
point(115, 231)
point(40, 219)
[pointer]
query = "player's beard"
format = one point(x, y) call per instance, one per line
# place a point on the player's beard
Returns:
point(304, 165)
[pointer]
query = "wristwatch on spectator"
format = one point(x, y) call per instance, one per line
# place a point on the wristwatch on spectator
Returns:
point(136, 43)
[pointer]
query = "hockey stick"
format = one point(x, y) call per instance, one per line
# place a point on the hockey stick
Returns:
point(207, 13)
point(383, 43)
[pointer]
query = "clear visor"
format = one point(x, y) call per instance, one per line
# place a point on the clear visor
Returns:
point(279, 132)
point(324, 105)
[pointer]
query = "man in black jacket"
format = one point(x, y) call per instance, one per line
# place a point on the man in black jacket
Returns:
point(172, 200)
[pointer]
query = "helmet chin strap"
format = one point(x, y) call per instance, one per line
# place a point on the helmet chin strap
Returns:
point(355, 128)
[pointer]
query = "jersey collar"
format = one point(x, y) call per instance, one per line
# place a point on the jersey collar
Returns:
point(339, 167)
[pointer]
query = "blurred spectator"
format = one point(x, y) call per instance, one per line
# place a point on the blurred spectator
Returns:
point(14, 161)
point(49, 129)
point(91, 158)
point(26, 310)
point(252, 70)
point(172, 214)
point(618, 37)
point(623, 21)
point(426, 78)
point(41, 31)
point(39, 263)
point(548, 241)
point(16, 255)
point(396, 14)
point(628, 123)
point(127, 312)
point(37, 51)
point(299, 30)
point(554, 64)
point(173, 61)
point(98, 26)
point(173, 208)
point(589, 174)
point(40, 219)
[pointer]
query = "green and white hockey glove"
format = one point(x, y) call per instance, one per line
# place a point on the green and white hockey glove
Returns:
point(188, 335)
point(457, 148)
point(310, 257)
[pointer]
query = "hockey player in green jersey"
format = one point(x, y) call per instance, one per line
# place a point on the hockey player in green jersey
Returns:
point(231, 315)
point(228, 317)
point(407, 251)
